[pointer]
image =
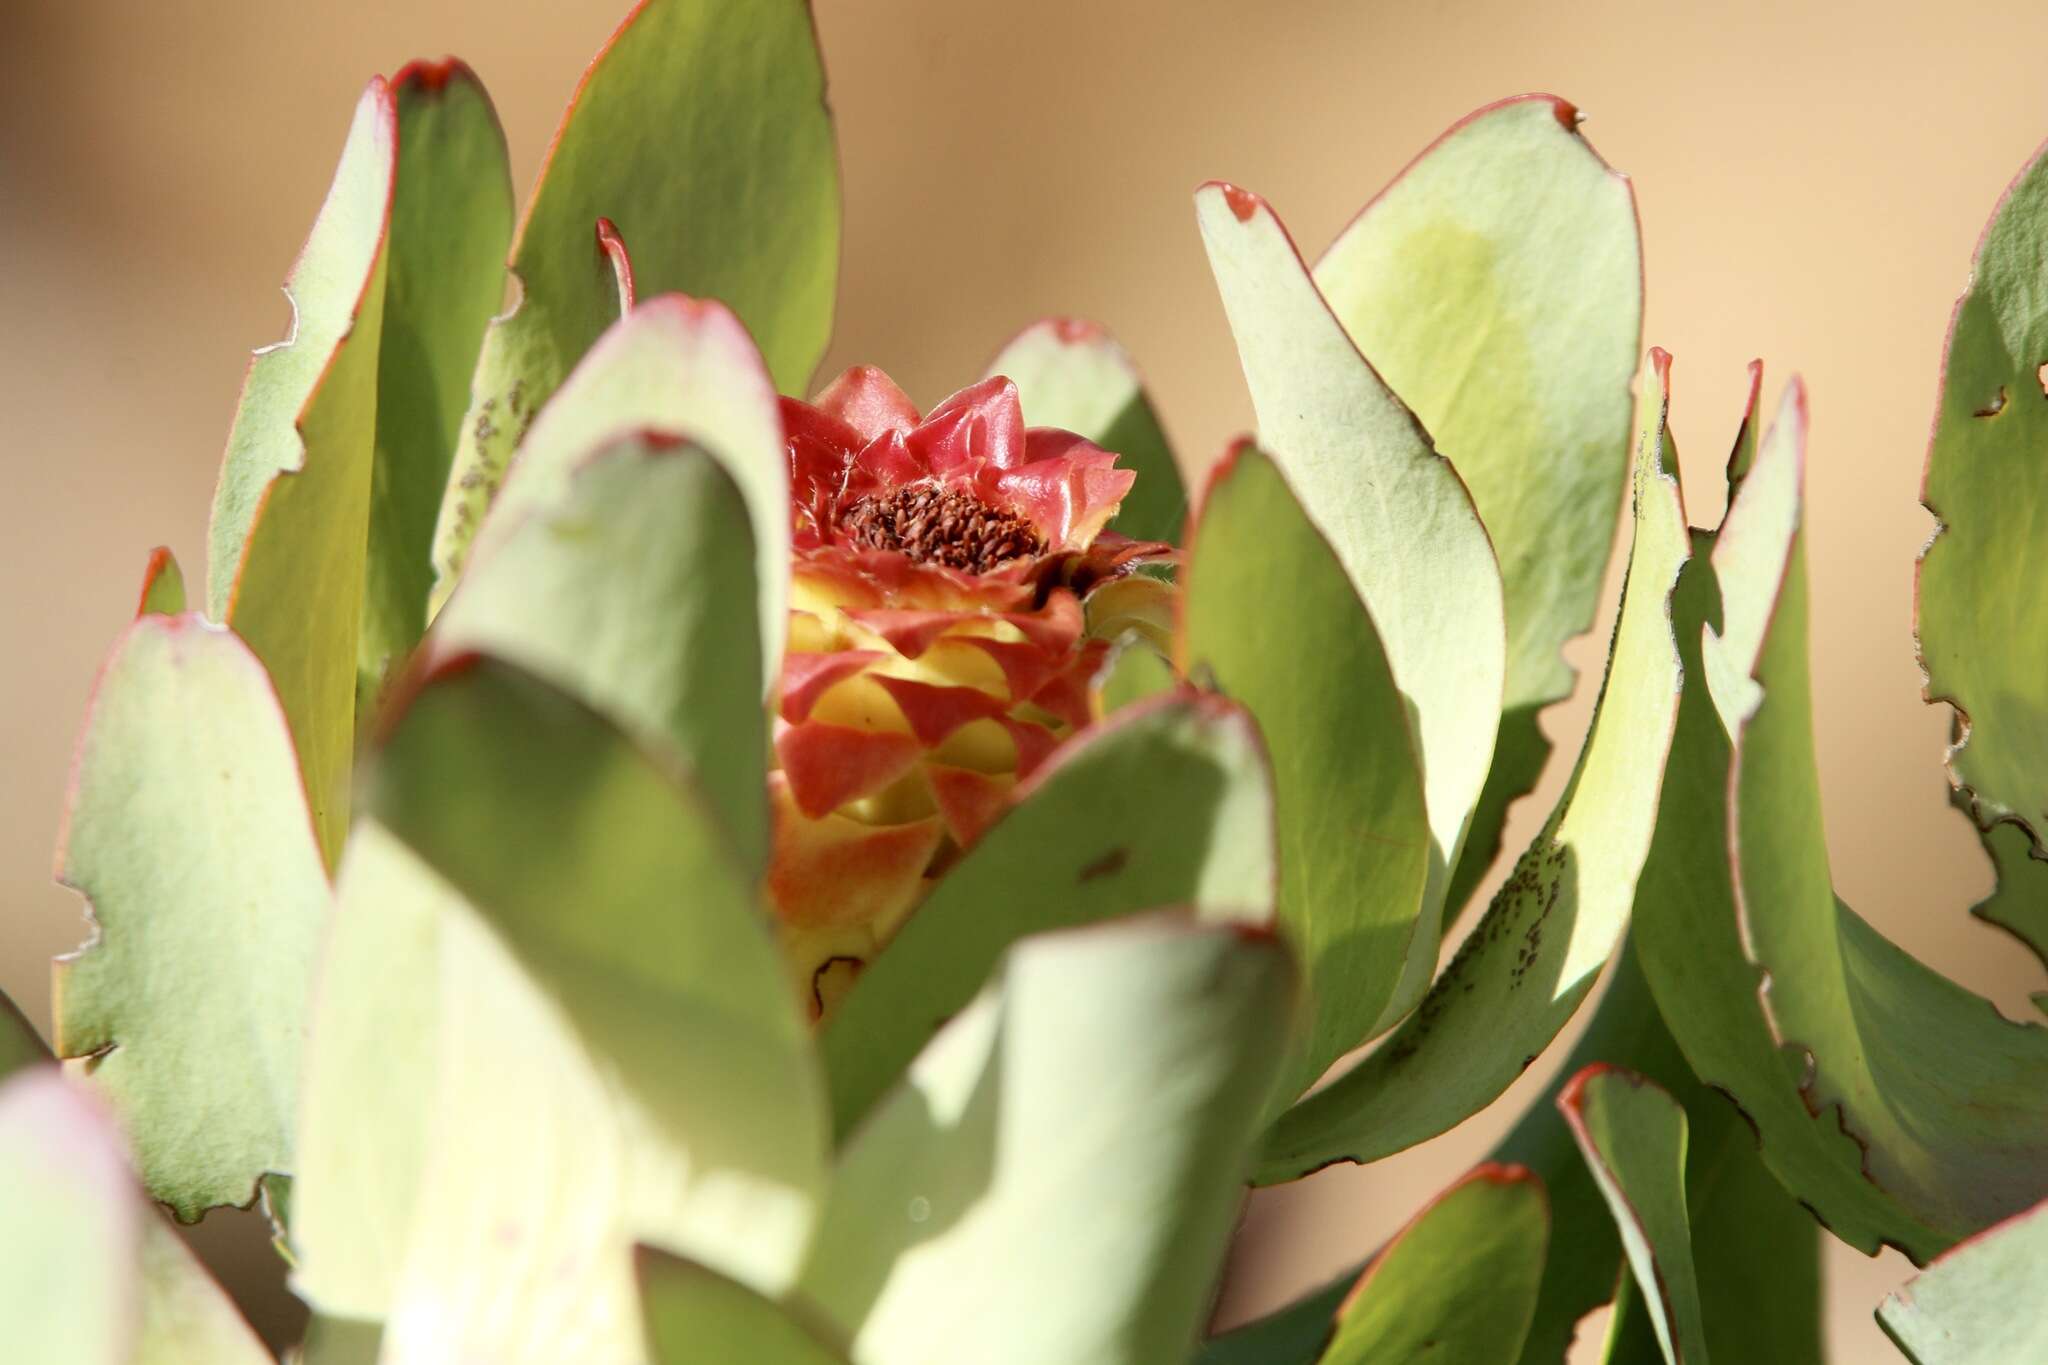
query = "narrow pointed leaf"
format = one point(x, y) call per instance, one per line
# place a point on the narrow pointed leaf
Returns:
point(187, 834)
point(1983, 623)
point(1496, 285)
point(451, 221)
point(696, 1316)
point(286, 558)
point(1980, 1303)
point(1169, 803)
point(1270, 619)
point(1633, 1136)
point(732, 90)
point(611, 1050)
point(1531, 961)
point(635, 591)
point(1395, 512)
point(977, 1195)
point(163, 585)
point(1074, 375)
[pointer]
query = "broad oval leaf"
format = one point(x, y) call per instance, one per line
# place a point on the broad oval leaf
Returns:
point(1980, 1302)
point(1532, 959)
point(1270, 619)
point(696, 1316)
point(1169, 802)
point(980, 1214)
point(187, 833)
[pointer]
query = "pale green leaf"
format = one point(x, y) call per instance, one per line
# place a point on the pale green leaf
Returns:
point(187, 834)
point(634, 590)
point(701, 131)
point(1074, 375)
point(451, 222)
point(696, 1316)
point(1531, 961)
point(982, 1214)
point(1168, 803)
point(1980, 1303)
point(163, 585)
point(287, 548)
point(1270, 620)
point(1401, 523)
point(615, 1030)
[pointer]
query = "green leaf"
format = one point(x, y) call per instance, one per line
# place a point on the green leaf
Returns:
point(371, 1067)
point(163, 585)
point(701, 131)
point(1073, 374)
point(1633, 1136)
point(186, 1316)
point(1531, 961)
point(1980, 1303)
point(2019, 903)
point(1167, 803)
point(451, 222)
point(981, 1214)
point(634, 590)
point(697, 1316)
point(1497, 286)
point(1458, 1283)
point(1981, 615)
point(1270, 619)
point(186, 831)
point(1395, 512)
point(608, 1048)
point(672, 367)
point(1897, 1105)
point(287, 551)
point(339, 1341)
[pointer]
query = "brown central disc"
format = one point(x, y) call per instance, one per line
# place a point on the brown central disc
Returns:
point(935, 525)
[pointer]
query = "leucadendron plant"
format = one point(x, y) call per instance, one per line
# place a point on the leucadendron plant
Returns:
point(636, 861)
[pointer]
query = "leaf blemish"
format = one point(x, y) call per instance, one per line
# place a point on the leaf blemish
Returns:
point(1995, 406)
point(1107, 865)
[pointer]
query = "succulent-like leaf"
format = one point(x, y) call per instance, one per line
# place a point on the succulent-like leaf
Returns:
point(1532, 960)
point(696, 1316)
point(451, 221)
point(1170, 802)
point(1980, 1302)
point(634, 590)
point(1633, 1136)
point(1458, 1283)
point(674, 367)
point(1497, 286)
point(1072, 374)
point(187, 833)
point(978, 1193)
point(1983, 622)
point(701, 132)
point(163, 585)
point(1399, 519)
point(615, 1029)
point(1272, 621)
point(2019, 903)
point(286, 547)
point(1898, 1106)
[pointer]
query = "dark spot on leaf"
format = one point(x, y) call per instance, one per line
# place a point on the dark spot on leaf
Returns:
point(1107, 865)
point(1995, 406)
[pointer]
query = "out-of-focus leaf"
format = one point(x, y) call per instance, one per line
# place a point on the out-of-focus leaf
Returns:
point(1133, 672)
point(615, 1030)
point(1270, 619)
point(696, 1316)
point(451, 221)
point(1293, 1335)
point(1983, 621)
point(286, 547)
point(186, 832)
point(187, 1318)
point(2019, 904)
point(1458, 1283)
point(163, 585)
point(978, 1193)
point(370, 1072)
point(1400, 520)
point(673, 367)
point(1531, 961)
point(1979, 1303)
point(1497, 286)
point(635, 591)
point(1073, 374)
point(1895, 1104)
point(340, 1341)
point(1167, 803)
point(1633, 1136)
point(732, 90)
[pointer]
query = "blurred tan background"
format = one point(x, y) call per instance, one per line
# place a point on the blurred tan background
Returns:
point(1811, 182)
